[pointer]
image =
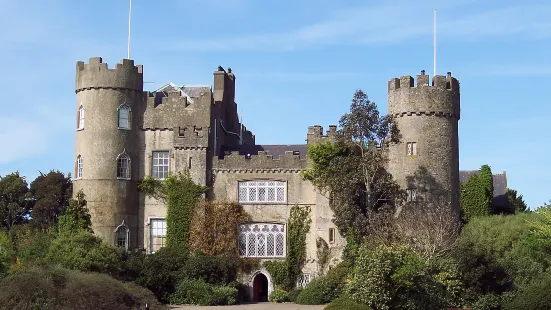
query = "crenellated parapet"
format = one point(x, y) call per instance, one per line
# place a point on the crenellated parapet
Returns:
point(439, 98)
point(315, 134)
point(174, 109)
point(188, 136)
point(234, 162)
point(96, 75)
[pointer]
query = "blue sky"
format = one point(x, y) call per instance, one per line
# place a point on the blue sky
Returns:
point(297, 64)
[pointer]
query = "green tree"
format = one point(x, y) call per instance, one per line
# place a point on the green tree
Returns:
point(477, 194)
point(15, 200)
point(77, 217)
point(351, 168)
point(51, 193)
point(516, 201)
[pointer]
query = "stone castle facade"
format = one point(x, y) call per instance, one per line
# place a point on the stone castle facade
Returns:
point(125, 134)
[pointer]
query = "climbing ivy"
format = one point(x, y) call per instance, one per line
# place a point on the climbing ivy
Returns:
point(180, 195)
point(477, 194)
point(322, 253)
point(285, 273)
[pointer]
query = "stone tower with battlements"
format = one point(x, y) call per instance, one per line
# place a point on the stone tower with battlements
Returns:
point(107, 105)
point(426, 160)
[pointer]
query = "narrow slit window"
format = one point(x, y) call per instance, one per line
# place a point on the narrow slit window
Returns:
point(331, 235)
point(189, 162)
point(80, 123)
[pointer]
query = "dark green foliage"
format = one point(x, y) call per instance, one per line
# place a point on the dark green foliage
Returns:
point(62, 289)
point(325, 289)
point(475, 199)
point(32, 245)
point(15, 200)
point(516, 202)
point(85, 252)
point(293, 294)
point(278, 296)
point(346, 303)
point(351, 169)
point(211, 269)
point(77, 218)
point(533, 296)
point(6, 253)
point(180, 194)
point(51, 193)
point(199, 292)
point(285, 273)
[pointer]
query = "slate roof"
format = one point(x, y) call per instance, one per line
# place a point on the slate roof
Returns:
point(189, 91)
point(500, 185)
point(274, 150)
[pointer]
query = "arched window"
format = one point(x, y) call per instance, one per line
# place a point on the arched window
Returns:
point(124, 117)
point(262, 240)
point(78, 167)
point(121, 235)
point(123, 165)
point(80, 122)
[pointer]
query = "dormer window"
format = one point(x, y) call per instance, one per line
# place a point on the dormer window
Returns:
point(124, 117)
point(80, 121)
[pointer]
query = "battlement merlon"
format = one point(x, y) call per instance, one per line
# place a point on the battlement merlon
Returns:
point(441, 98)
point(235, 161)
point(96, 75)
point(224, 85)
point(315, 134)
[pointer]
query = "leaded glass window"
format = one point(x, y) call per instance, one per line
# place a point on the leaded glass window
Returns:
point(303, 280)
point(124, 116)
point(262, 240)
point(123, 166)
point(262, 192)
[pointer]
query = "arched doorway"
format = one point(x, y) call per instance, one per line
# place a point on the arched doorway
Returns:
point(260, 288)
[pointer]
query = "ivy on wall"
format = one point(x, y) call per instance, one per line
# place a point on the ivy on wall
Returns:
point(477, 194)
point(180, 195)
point(322, 253)
point(285, 273)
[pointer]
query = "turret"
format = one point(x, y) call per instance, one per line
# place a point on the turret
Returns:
point(427, 157)
point(106, 159)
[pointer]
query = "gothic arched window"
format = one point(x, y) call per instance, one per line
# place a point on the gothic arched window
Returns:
point(124, 116)
point(123, 165)
point(80, 121)
point(121, 235)
point(78, 167)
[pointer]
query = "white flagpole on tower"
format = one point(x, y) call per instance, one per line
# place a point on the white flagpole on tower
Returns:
point(434, 42)
point(129, 19)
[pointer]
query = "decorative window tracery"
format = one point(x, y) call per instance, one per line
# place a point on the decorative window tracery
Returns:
point(124, 116)
point(262, 191)
point(412, 148)
point(303, 280)
point(262, 240)
point(78, 167)
point(123, 165)
point(121, 235)
point(411, 194)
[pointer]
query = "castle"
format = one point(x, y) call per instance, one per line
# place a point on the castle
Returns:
point(125, 134)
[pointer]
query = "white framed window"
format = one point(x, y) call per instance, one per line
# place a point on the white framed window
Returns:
point(80, 121)
point(78, 167)
point(121, 236)
point(262, 240)
point(411, 194)
point(412, 148)
point(157, 233)
point(262, 191)
point(124, 116)
point(331, 235)
point(123, 166)
point(161, 165)
point(303, 280)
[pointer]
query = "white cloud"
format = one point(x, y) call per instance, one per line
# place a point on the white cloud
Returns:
point(386, 24)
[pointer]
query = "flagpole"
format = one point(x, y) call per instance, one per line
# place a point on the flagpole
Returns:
point(129, 20)
point(434, 42)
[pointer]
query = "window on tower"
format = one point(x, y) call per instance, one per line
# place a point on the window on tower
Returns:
point(411, 148)
point(123, 166)
point(161, 164)
point(80, 122)
point(411, 194)
point(78, 168)
point(121, 236)
point(124, 117)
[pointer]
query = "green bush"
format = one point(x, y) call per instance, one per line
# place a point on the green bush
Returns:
point(211, 269)
point(278, 296)
point(345, 303)
point(293, 294)
point(85, 252)
point(325, 289)
point(201, 293)
point(534, 296)
point(6, 253)
point(33, 246)
point(57, 288)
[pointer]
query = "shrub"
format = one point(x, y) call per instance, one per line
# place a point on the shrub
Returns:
point(278, 296)
point(32, 247)
point(534, 296)
point(323, 290)
point(211, 269)
point(344, 302)
point(6, 253)
point(85, 252)
point(199, 292)
point(293, 294)
point(62, 289)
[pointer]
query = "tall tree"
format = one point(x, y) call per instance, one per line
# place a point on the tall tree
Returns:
point(351, 169)
point(77, 218)
point(51, 193)
point(15, 200)
point(516, 202)
point(487, 182)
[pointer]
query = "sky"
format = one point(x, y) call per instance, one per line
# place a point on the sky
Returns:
point(297, 64)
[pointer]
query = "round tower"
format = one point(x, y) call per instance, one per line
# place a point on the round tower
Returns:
point(106, 145)
point(426, 160)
